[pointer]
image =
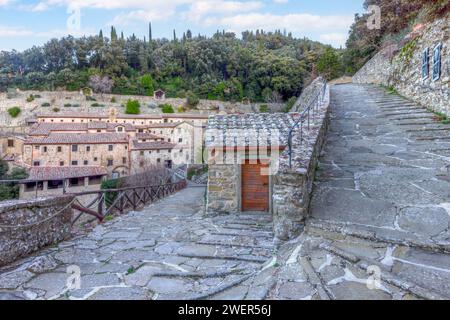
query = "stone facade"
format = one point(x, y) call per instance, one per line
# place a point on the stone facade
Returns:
point(223, 188)
point(290, 184)
point(26, 226)
point(400, 66)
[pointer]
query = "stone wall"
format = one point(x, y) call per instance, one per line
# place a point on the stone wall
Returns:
point(292, 186)
point(400, 66)
point(223, 188)
point(28, 225)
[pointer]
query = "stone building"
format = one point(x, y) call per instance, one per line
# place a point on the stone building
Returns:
point(11, 146)
point(108, 150)
point(139, 119)
point(50, 181)
point(254, 166)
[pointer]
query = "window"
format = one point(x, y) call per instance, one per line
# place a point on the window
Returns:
point(124, 160)
point(44, 149)
point(150, 152)
point(61, 163)
point(110, 162)
point(88, 148)
point(95, 159)
point(119, 129)
point(425, 64)
point(85, 162)
point(99, 130)
point(165, 120)
point(36, 163)
point(10, 143)
point(59, 149)
point(74, 162)
point(181, 150)
point(170, 150)
point(36, 147)
point(142, 153)
point(110, 147)
point(437, 62)
point(74, 148)
point(158, 160)
point(180, 140)
point(126, 147)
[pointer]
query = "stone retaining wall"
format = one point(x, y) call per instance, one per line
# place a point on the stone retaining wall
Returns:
point(35, 224)
point(400, 66)
point(292, 187)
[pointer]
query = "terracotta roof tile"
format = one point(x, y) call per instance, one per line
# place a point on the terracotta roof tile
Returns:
point(76, 138)
point(153, 145)
point(57, 173)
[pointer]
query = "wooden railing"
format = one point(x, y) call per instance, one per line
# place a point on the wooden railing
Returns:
point(110, 201)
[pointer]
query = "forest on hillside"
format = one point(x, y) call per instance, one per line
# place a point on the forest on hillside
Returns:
point(260, 66)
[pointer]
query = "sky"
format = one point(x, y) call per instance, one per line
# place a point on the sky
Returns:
point(24, 23)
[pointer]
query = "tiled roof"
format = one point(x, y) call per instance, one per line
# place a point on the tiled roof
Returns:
point(121, 116)
point(57, 173)
point(153, 145)
point(76, 138)
point(249, 129)
point(147, 135)
point(46, 128)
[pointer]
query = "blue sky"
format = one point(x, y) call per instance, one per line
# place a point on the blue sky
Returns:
point(24, 23)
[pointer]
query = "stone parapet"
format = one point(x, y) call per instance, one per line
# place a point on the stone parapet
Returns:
point(28, 225)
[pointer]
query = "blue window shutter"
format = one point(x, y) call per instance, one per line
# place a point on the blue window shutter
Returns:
point(425, 64)
point(437, 62)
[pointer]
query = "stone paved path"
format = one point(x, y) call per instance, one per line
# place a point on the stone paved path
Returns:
point(381, 206)
point(167, 251)
point(379, 227)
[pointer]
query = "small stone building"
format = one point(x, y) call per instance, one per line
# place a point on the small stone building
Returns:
point(252, 167)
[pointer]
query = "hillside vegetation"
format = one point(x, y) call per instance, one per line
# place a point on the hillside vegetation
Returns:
point(398, 17)
point(261, 66)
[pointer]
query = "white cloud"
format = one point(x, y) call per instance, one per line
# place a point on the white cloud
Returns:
point(300, 22)
point(7, 32)
point(335, 39)
point(201, 9)
point(280, 1)
point(16, 32)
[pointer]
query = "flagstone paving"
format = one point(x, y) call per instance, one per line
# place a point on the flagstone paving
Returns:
point(379, 227)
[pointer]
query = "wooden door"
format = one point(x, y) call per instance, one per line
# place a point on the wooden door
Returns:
point(254, 188)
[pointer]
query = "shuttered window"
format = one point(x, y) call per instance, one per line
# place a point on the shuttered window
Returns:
point(437, 62)
point(425, 64)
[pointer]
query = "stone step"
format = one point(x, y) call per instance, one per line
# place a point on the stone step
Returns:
point(334, 229)
point(255, 234)
point(425, 113)
point(389, 273)
point(244, 258)
point(240, 239)
point(238, 245)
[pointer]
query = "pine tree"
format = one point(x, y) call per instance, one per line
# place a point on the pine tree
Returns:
point(113, 33)
point(174, 35)
point(150, 36)
point(100, 35)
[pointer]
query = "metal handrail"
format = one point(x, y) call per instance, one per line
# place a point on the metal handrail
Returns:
point(317, 99)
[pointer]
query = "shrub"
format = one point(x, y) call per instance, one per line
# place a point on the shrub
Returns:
point(67, 105)
point(97, 105)
point(75, 105)
point(264, 108)
point(113, 100)
point(133, 107)
point(147, 85)
point(45, 104)
point(181, 109)
point(14, 111)
point(30, 98)
point(192, 100)
point(37, 96)
point(167, 108)
point(55, 109)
